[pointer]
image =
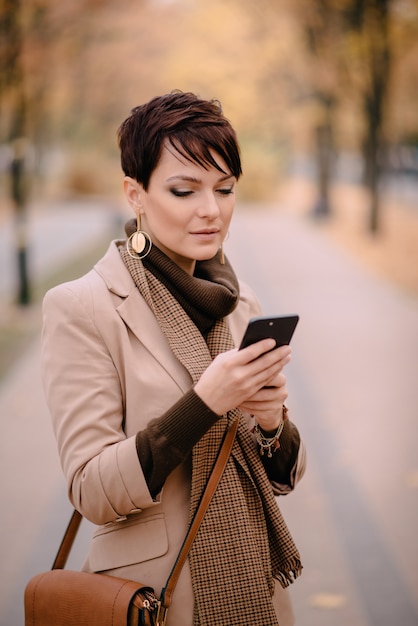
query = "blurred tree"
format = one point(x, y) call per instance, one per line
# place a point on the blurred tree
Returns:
point(27, 52)
point(353, 46)
point(323, 29)
point(291, 75)
point(369, 22)
point(13, 90)
point(230, 50)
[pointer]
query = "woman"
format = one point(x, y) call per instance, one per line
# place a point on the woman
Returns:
point(142, 377)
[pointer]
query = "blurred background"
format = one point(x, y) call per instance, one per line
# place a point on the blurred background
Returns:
point(321, 92)
point(323, 95)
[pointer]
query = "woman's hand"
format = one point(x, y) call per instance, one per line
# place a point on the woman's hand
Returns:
point(267, 404)
point(237, 378)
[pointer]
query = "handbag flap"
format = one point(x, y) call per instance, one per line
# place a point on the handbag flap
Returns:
point(69, 598)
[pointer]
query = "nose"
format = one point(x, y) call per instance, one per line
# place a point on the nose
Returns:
point(209, 206)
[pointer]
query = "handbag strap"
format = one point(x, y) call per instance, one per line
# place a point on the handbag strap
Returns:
point(216, 475)
point(67, 541)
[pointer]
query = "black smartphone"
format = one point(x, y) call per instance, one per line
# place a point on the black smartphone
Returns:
point(279, 327)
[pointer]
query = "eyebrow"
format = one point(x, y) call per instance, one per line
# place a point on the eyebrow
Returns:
point(192, 179)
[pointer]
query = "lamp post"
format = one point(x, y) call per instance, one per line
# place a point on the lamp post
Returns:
point(19, 193)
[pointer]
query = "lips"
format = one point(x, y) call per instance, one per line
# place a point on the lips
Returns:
point(205, 235)
point(206, 231)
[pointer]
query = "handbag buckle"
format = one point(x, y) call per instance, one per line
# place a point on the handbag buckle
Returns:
point(161, 615)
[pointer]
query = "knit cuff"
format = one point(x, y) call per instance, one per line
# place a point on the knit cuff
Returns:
point(185, 423)
point(279, 466)
point(289, 439)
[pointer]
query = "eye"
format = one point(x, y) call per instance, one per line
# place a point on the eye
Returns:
point(180, 193)
point(226, 191)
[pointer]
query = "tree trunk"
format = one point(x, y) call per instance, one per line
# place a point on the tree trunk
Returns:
point(322, 208)
point(372, 150)
point(324, 145)
point(18, 165)
point(377, 33)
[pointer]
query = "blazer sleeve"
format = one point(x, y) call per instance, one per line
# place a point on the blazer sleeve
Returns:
point(83, 393)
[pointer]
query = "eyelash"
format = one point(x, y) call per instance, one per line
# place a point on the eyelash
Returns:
point(180, 194)
point(184, 194)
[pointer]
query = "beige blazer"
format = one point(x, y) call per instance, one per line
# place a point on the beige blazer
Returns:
point(107, 370)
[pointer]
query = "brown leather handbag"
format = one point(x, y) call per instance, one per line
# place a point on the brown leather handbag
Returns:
point(62, 597)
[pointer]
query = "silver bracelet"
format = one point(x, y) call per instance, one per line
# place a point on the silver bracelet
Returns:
point(270, 444)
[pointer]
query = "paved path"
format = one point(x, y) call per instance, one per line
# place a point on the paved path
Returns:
point(353, 394)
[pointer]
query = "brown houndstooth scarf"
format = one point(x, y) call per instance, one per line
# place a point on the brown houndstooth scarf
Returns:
point(243, 542)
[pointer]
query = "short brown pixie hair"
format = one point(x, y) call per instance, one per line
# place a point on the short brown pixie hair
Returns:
point(193, 126)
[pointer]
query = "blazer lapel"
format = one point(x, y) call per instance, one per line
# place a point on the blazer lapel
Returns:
point(137, 315)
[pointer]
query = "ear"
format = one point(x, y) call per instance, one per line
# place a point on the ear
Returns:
point(133, 192)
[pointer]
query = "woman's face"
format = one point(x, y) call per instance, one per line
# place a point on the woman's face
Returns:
point(186, 209)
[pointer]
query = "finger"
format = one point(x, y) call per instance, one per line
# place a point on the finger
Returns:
point(276, 381)
point(262, 410)
point(265, 400)
point(268, 365)
point(282, 351)
point(255, 350)
point(270, 394)
point(279, 356)
point(267, 376)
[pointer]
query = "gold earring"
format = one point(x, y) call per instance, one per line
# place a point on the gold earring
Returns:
point(139, 242)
